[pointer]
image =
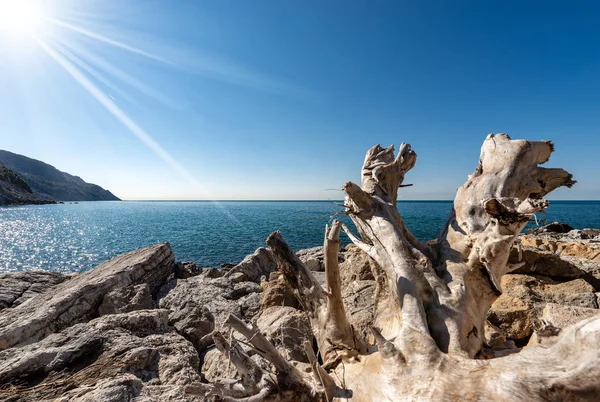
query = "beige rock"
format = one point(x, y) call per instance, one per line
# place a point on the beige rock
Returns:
point(126, 299)
point(275, 292)
point(355, 267)
point(78, 299)
point(287, 329)
point(518, 310)
point(18, 287)
point(564, 246)
point(255, 265)
point(561, 316)
point(220, 296)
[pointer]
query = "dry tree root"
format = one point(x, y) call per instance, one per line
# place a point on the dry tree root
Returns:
point(431, 302)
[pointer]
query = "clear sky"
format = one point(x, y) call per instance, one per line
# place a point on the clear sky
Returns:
point(167, 99)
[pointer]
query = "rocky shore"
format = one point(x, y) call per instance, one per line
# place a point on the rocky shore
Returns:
point(138, 327)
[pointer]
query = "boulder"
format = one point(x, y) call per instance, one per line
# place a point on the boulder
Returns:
point(254, 266)
point(221, 296)
point(287, 329)
point(312, 258)
point(126, 299)
point(275, 292)
point(112, 358)
point(561, 316)
point(195, 323)
point(18, 287)
point(216, 367)
point(518, 310)
point(78, 299)
point(564, 246)
point(355, 267)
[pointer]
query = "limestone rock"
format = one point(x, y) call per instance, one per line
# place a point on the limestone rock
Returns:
point(255, 265)
point(287, 329)
point(195, 323)
point(355, 267)
point(114, 357)
point(518, 310)
point(220, 296)
point(216, 367)
point(126, 299)
point(312, 258)
point(564, 246)
point(18, 287)
point(275, 292)
point(78, 299)
point(561, 316)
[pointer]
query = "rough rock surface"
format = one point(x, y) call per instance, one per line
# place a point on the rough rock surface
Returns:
point(312, 258)
point(126, 299)
point(112, 358)
point(518, 310)
point(195, 323)
point(254, 266)
point(561, 316)
point(356, 266)
point(220, 295)
point(287, 329)
point(99, 336)
point(19, 287)
point(275, 292)
point(78, 299)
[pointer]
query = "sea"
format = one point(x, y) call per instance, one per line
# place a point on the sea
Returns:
point(75, 237)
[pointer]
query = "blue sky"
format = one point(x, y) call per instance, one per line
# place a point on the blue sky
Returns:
point(281, 99)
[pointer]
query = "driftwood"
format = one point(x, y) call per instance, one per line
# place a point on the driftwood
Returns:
point(428, 327)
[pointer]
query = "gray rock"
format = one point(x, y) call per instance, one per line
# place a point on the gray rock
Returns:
point(18, 287)
point(561, 316)
point(255, 265)
point(112, 358)
point(78, 299)
point(220, 296)
point(238, 277)
point(195, 323)
point(126, 299)
point(287, 329)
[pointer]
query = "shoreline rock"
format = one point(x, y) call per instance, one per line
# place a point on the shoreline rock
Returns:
point(139, 326)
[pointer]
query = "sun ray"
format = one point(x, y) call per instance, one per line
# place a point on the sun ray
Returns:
point(94, 73)
point(103, 64)
point(131, 125)
point(108, 41)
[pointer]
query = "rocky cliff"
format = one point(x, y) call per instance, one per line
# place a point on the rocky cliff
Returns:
point(49, 183)
point(15, 191)
point(140, 326)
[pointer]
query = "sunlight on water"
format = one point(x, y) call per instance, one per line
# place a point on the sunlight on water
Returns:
point(76, 237)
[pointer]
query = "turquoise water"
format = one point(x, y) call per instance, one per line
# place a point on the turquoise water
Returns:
point(76, 237)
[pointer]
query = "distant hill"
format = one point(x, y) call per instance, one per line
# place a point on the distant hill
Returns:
point(48, 183)
point(15, 191)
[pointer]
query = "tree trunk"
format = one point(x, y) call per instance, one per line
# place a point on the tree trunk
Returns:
point(428, 325)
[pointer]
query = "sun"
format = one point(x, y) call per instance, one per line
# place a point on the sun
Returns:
point(20, 17)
